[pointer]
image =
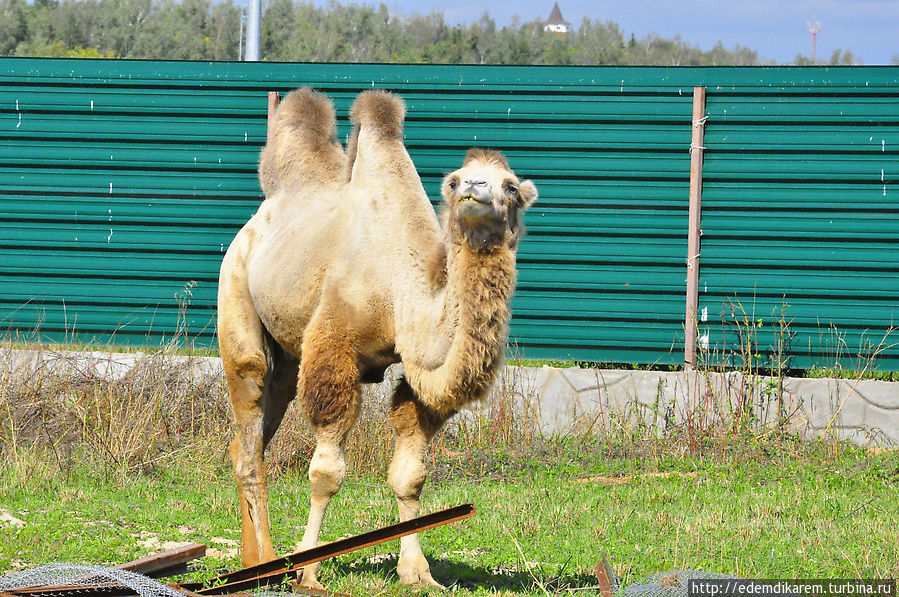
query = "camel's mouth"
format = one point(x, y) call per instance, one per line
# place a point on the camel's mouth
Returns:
point(469, 197)
point(472, 207)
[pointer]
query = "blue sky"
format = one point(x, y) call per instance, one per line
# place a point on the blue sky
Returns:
point(776, 29)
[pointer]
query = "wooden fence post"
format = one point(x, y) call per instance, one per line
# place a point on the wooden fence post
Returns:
point(694, 230)
point(274, 98)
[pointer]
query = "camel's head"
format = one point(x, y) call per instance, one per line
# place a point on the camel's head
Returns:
point(485, 200)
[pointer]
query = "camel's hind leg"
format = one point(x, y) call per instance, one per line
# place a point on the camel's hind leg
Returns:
point(331, 393)
point(247, 456)
point(261, 381)
point(245, 363)
point(415, 425)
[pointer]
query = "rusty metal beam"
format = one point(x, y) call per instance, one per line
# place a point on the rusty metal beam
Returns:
point(608, 582)
point(274, 572)
point(167, 563)
point(274, 98)
point(293, 591)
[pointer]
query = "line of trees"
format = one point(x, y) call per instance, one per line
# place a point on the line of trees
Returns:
point(293, 30)
point(186, 29)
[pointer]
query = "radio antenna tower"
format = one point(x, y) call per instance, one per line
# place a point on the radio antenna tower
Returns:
point(814, 27)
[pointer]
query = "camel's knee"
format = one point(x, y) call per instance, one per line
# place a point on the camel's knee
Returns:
point(327, 471)
point(251, 366)
point(245, 373)
point(407, 477)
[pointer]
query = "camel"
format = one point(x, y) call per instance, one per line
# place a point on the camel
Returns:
point(344, 270)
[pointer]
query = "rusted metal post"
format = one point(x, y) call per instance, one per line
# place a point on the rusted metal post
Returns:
point(608, 582)
point(694, 230)
point(274, 98)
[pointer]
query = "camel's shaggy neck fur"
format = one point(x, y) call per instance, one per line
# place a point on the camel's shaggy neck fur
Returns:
point(479, 287)
point(344, 270)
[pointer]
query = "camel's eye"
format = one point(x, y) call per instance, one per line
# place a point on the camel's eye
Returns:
point(453, 184)
point(510, 188)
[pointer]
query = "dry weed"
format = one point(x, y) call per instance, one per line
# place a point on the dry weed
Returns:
point(132, 412)
point(76, 405)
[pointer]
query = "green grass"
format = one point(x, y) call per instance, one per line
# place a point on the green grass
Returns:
point(850, 375)
point(99, 469)
point(778, 510)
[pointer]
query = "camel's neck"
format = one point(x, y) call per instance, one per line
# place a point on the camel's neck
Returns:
point(480, 286)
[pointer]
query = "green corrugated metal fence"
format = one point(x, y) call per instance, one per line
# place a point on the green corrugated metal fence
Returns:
point(123, 182)
point(800, 221)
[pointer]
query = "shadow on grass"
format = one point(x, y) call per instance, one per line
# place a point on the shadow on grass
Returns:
point(451, 573)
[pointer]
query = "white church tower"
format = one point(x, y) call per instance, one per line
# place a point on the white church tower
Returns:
point(555, 23)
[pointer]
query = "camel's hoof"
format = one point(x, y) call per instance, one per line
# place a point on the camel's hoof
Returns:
point(420, 579)
point(309, 581)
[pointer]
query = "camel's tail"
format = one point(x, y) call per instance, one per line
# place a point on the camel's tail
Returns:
point(303, 146)
point(378, 112)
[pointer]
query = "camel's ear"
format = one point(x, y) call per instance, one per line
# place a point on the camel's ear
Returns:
point(527, 194)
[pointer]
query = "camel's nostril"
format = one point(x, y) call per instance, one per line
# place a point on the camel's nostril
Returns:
point(477, 189)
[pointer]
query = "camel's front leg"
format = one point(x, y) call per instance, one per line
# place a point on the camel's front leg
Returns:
point(415, 426)
point(331, 394)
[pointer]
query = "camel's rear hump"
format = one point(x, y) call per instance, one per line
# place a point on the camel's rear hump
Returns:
point(378, 114)
point(380, 110)
point(303, 148)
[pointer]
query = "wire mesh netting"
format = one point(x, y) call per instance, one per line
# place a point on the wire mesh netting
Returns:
point(669, 584)
point(59, 574)
point(63, 575)
point(663, 584)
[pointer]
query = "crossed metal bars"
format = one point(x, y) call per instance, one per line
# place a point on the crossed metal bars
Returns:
point(233, 584)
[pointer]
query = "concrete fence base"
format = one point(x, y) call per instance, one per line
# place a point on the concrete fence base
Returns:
point(865, 412)
point(562, 401)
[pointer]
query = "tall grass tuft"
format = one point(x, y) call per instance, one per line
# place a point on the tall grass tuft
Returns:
point(82, 405)
point(738, 389)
